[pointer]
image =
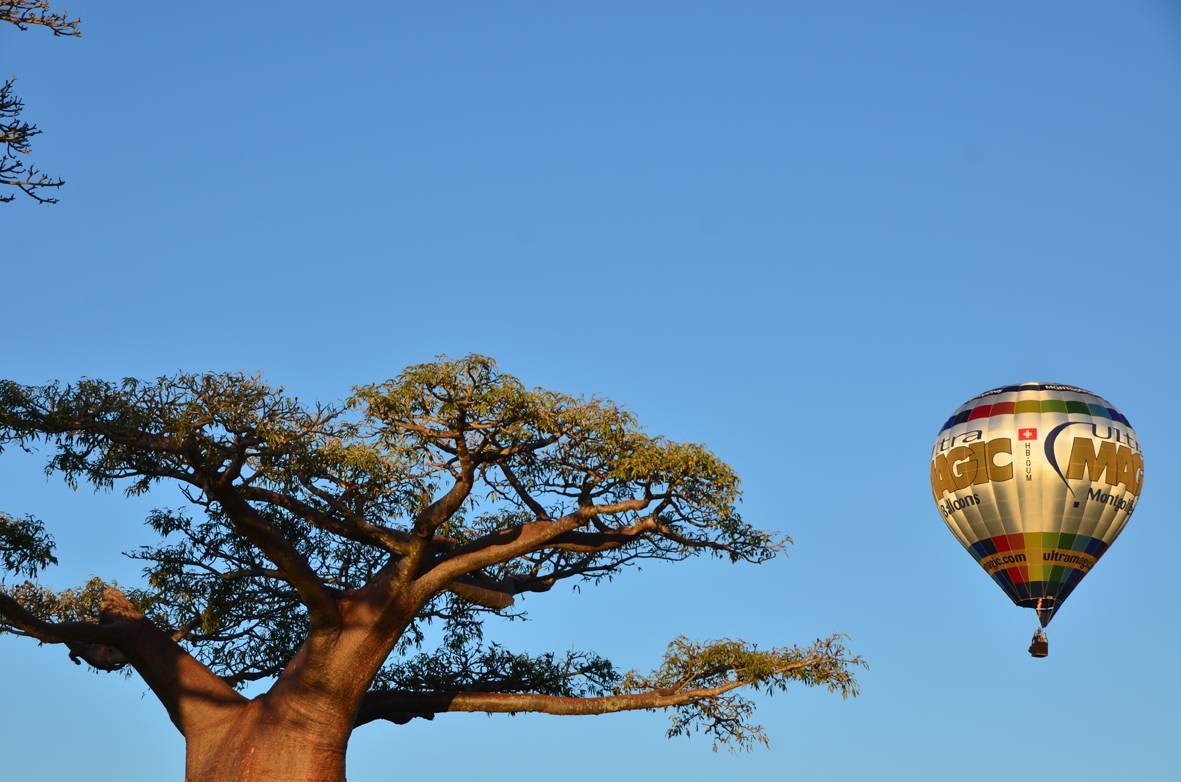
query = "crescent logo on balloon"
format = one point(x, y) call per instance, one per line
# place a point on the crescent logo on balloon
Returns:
point(1037, 520)
point(1050, 457)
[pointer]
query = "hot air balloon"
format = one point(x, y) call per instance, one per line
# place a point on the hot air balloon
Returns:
point(1036, 481)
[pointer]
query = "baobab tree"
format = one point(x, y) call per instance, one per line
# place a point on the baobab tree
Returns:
point(317, 541)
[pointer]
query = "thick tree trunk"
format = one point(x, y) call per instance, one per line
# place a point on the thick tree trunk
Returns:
point(299, 730)
point(269, 742)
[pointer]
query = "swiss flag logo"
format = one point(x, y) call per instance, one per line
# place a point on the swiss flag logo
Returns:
point(1027, 434)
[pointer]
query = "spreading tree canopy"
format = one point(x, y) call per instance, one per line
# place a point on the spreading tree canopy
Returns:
point(317, 542)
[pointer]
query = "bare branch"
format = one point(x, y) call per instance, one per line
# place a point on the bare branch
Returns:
point(36, 13)
point(16, 138)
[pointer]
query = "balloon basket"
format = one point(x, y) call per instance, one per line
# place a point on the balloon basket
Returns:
point(1040, 645)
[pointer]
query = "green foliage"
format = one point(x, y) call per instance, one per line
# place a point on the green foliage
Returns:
point(79, 604)
point(722, 667)
point(25, 546)
point(144, 431)
point(563, 451)
point(239, 615)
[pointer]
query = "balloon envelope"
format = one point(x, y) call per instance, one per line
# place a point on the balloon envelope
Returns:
point(1036, 481)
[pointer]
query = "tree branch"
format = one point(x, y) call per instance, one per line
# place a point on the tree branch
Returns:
point(54, 632)
point(508, 451)
point(323, 609)
point(26, 13)
point(442, 509)
point(503, 545)
point(360, 531)
point(491, 595)
point(189, 691)
point(395, 575)
point(496, 547)
point(400, 707)
point(695, 681)
point(526, 498)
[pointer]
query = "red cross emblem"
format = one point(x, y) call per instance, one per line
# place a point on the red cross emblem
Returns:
point(1027, 434)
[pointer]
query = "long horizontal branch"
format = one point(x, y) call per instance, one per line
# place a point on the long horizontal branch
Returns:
point(400, 707)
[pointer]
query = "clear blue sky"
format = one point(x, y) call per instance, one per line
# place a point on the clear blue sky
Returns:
point(799, 233)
